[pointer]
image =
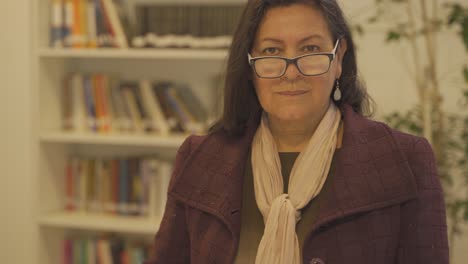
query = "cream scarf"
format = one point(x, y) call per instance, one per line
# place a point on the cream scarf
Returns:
point(281, 211)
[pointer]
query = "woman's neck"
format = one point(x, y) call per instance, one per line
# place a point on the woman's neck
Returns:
point(293, 136)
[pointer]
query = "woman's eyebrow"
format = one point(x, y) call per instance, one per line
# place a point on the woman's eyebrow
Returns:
point(317, 36)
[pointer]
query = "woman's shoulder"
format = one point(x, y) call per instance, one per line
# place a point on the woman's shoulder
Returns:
point(416, 150)
point(406, 142)
point(368, 130)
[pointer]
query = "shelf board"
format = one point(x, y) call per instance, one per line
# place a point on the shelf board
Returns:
point(190, 2)
point(197, 54)
point(100, 222)
point(172, 141)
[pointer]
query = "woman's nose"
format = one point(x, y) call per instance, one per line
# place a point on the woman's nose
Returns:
point(292, 72)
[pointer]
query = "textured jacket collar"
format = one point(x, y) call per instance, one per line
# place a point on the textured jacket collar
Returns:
point(370, 172)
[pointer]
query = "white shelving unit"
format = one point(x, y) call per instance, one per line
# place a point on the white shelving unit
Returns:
point(52, 146)
point(176, 54)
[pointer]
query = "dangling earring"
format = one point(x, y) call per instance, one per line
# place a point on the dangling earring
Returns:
point(337, 93)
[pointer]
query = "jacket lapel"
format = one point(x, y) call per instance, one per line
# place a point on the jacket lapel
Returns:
point(213, 175)
point(370, 173)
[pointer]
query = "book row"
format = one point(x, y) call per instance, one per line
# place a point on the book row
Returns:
point(86, 24)
point(133, 186)
point(100, 103)
point(194, 20)
point(104, 249)
point(115, 23)
point(180, 26)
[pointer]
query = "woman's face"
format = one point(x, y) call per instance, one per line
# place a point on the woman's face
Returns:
point(289, 32)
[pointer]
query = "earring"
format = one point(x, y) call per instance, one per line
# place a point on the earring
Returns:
point(337, 93)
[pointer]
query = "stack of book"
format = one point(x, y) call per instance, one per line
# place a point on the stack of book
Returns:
point(101, 104)
point(104, 249)
point(86, 24)
point(191, 26)
point(132, 186)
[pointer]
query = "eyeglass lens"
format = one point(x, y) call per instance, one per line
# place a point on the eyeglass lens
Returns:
point(308, 65)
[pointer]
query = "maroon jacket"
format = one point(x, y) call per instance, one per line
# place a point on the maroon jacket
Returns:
point(385, 205)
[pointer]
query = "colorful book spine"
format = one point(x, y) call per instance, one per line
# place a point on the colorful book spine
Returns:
point(105, 249)
point(56, 21)
point(68, 20)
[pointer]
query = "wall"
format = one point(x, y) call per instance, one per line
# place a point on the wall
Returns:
point(16, 221)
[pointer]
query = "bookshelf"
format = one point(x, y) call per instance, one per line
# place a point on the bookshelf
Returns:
point(177, 54)
point(51, 146)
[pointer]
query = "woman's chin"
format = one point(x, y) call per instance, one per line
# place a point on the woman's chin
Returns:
point(289, 116)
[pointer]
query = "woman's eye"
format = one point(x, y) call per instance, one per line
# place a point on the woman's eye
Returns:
point(311, 48)
point(270, 51)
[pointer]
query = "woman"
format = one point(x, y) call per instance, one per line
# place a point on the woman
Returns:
point(293, 172)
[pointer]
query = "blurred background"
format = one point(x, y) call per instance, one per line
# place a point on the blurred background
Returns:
point(98, 96)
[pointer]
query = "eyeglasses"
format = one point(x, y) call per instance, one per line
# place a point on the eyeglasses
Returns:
point(271, 67)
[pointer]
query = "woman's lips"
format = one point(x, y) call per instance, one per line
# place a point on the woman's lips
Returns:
point(292, 93)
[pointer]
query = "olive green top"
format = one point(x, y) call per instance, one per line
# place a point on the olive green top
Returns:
point(252, 225)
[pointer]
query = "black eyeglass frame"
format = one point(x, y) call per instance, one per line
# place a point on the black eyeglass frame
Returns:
point(331, 56)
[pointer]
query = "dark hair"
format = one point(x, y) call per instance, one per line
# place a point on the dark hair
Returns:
point(240, 100)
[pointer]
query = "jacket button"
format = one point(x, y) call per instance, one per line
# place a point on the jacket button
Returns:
point(316, 261)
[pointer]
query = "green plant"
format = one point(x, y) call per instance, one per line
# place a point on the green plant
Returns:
point(416, 24)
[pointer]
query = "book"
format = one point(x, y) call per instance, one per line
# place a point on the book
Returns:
point(76, 33)
point(132, 107)
point(159, 90)
point(92, 24)
point(93, 185)
point(121, 116)
point(123, 187)
point(67, 104)
point(100, 86)
point(90, 103)
point(104, 254)
point(70, 171)
point(193, 105)
point(83, 20)
point(73, 106)
point(104, 248)
point(56, 28)
point(69, 21)
point(82, 185)
point(188, 121)
point(157, 120)
point(115, 24)
point(91, 250)
point(67, 251)
point(142, 111)
point(134, 187)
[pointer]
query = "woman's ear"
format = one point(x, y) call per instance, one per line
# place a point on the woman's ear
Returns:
point(342, 47)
